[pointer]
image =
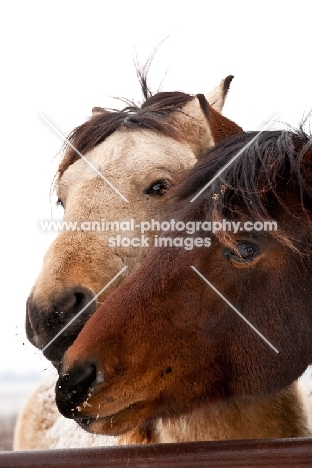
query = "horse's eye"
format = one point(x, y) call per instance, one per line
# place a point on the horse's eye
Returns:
point(246, 251)
point(59, 203)
point(159, 187)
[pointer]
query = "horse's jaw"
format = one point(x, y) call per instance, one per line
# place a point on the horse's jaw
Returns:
point(116, 424)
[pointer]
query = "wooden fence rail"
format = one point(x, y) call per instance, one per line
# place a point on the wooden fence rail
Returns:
point(269, 453)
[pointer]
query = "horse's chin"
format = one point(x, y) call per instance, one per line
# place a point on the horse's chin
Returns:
point(101, 426)
point(116, 424)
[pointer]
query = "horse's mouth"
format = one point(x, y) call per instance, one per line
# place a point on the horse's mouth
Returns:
point(115, 424)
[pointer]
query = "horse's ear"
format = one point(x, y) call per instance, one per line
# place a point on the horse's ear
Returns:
point(196, 127)
point(217, 96)
point(98, 111)
point(220, 126)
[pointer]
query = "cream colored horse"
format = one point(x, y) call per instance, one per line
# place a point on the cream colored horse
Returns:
point(142, 154)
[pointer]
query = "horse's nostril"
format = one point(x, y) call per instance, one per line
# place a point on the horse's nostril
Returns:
point(82, 378)
point(80, 300)
point(68, 304)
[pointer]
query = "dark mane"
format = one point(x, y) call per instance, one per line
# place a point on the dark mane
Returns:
point(155, 114)
point(252, 184)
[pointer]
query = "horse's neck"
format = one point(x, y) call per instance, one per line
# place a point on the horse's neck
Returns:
point(275, 416)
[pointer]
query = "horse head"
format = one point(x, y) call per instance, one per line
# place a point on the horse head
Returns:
point(219, 310)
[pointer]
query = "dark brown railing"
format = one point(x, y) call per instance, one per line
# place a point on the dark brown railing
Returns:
point(246, 453)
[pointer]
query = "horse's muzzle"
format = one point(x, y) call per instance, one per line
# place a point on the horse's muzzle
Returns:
point(74, 387)
point(53, 328)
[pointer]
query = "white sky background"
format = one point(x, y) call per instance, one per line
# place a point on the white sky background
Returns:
point(61, 58)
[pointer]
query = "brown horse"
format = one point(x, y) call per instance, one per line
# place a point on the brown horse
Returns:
point(166, 351)
point(142, 151)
